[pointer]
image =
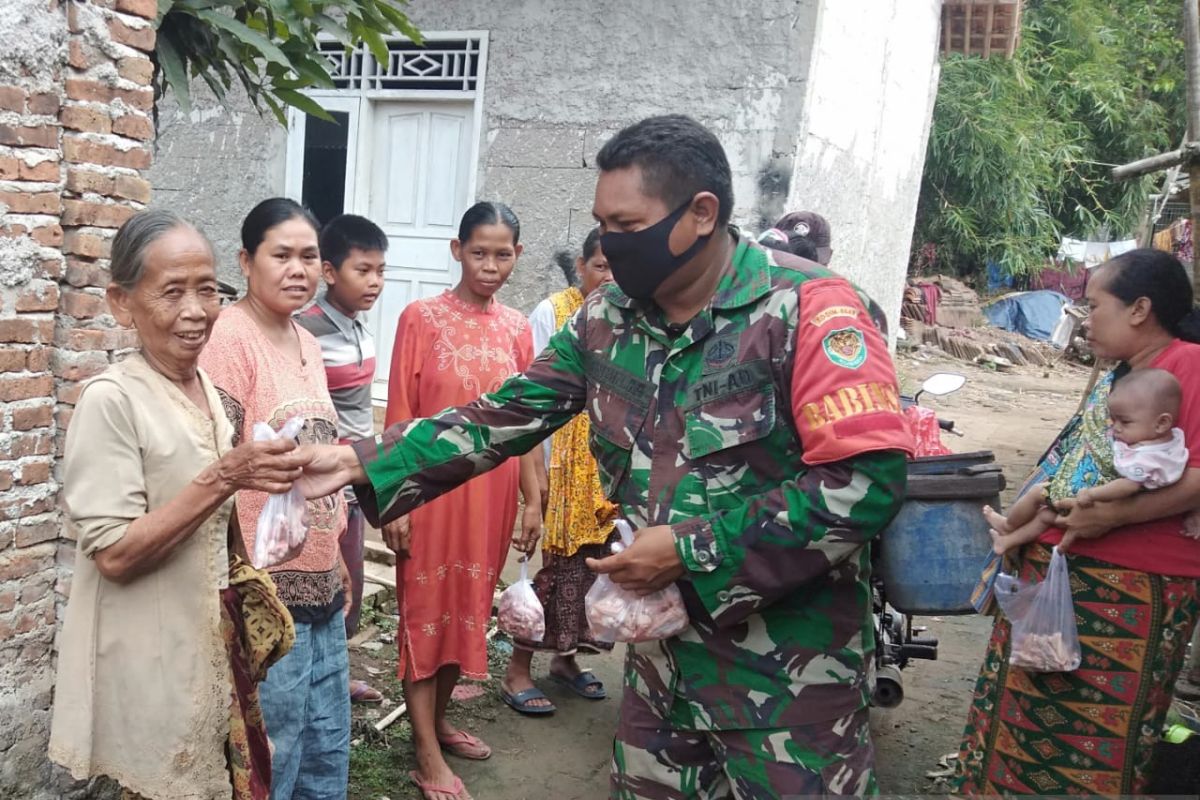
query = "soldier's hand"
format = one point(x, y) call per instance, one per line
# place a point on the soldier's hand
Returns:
point(649, 564)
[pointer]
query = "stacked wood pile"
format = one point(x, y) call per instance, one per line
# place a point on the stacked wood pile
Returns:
point(960, 329)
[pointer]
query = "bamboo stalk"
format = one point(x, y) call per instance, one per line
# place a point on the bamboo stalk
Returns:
point(1191, 28)
point(1144, 166)
point(396, 714)
point(987, 35)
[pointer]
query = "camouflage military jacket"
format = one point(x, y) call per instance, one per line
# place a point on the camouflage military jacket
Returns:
point(767, 432)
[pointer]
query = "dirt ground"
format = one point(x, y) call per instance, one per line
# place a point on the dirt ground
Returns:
point(1015, 414)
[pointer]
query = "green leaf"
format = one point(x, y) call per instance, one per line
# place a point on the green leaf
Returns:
point(175, 72)
point(276, 109)
point(376, 45)
point(314, 71)
point(334, 28)
point(246, 34)
point(399, 19)
point(304, 103)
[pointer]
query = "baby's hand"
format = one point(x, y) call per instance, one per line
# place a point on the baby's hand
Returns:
point(1084, 499)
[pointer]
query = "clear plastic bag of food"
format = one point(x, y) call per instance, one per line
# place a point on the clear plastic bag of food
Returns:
point(520, 613)
point(617, 615)
point(1045, 637)
point(283, 522)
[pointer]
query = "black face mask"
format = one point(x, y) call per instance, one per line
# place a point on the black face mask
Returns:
point(642, 260)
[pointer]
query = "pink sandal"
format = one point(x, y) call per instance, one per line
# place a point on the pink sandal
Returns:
point(455, 789)
point(464, 745)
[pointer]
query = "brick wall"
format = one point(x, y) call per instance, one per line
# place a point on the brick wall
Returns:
point(75, 132)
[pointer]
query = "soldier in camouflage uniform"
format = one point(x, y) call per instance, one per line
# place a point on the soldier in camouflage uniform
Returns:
point(745, 417)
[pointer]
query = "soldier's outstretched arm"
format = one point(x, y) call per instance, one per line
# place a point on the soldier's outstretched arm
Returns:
point(413, 462)
point(846, 407)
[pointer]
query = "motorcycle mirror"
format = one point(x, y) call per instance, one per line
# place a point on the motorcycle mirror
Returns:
point(942, 383)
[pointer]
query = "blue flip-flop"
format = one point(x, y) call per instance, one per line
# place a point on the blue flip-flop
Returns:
point(579, 685)
point(519, 702)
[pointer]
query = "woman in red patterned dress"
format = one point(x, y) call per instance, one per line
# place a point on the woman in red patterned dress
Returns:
point(449, 350)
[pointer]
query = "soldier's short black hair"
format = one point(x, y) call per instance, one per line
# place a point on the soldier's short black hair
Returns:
point(678, 157)
point(347, 232)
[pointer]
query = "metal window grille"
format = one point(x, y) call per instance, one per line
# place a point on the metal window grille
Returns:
point(452, 64)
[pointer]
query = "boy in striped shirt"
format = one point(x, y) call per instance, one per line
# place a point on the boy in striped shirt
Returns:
point(353, 263)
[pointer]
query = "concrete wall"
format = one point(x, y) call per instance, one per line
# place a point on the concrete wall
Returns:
point(863, 133)
point(213, 166)
point(821, 104)
point(562, 76)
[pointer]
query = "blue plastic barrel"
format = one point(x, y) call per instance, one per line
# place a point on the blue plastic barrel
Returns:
point(931, 556)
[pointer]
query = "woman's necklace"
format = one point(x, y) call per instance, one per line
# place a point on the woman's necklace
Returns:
point(299, 345)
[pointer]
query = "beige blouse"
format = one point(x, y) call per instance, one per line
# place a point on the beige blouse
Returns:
point(143, 688)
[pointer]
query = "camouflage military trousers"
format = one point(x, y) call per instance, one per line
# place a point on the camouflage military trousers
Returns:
point(653, 761)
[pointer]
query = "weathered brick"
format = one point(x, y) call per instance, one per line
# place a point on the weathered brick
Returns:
point(13, 231)
point(81, 339)
point(34, 591)
point(86, 118)
point(20, 507)
point(30, 417)
point(146, 9)
point(15, 564)
point(46, 103)
point(34, 472)
point(48, 235)
point(91, 91)
point(10, 168)
point(132, 188)
point(8, 601)
point(31, 533)
point(98, 215)
point(26, 331)
point(86, 273)
point(12, 98)
point(80, 54)
point(12, 359)
point(28, 136)
point(31, 202)
point(82, 151)
point(73, 366)
point(19, 387)
point(50, 268)
point(38, 359)
point(138, 70)
point(26, 445)
point(83, 243)
point(141, 99)
point(88, 91)
point(38, 296)
point(138, 38)
point(82, 305)
point(81, 180)
point(135, 126)
point(44, 171)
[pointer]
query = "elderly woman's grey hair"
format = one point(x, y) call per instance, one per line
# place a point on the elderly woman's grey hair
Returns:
point(128, 260)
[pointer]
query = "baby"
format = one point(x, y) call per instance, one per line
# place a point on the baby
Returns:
point(1148, 453)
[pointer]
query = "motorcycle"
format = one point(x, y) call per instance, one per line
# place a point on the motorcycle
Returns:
point(897, 639)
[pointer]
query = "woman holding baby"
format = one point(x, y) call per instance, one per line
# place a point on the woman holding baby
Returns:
point(1114, 490)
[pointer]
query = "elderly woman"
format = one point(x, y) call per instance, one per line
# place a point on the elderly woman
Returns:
point(1135, 576)
point(269, 369)
point(155, 687)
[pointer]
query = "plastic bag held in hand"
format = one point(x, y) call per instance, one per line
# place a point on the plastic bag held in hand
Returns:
point(520, 614)
point(283, 523)
point(617, 615)
point(1044, 635)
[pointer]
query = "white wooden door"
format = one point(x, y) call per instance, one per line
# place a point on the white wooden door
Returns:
point(419, 186)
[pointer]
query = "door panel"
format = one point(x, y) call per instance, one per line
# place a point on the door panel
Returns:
point(419, 171)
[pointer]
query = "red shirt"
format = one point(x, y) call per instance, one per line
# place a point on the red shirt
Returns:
point(1158, 546)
